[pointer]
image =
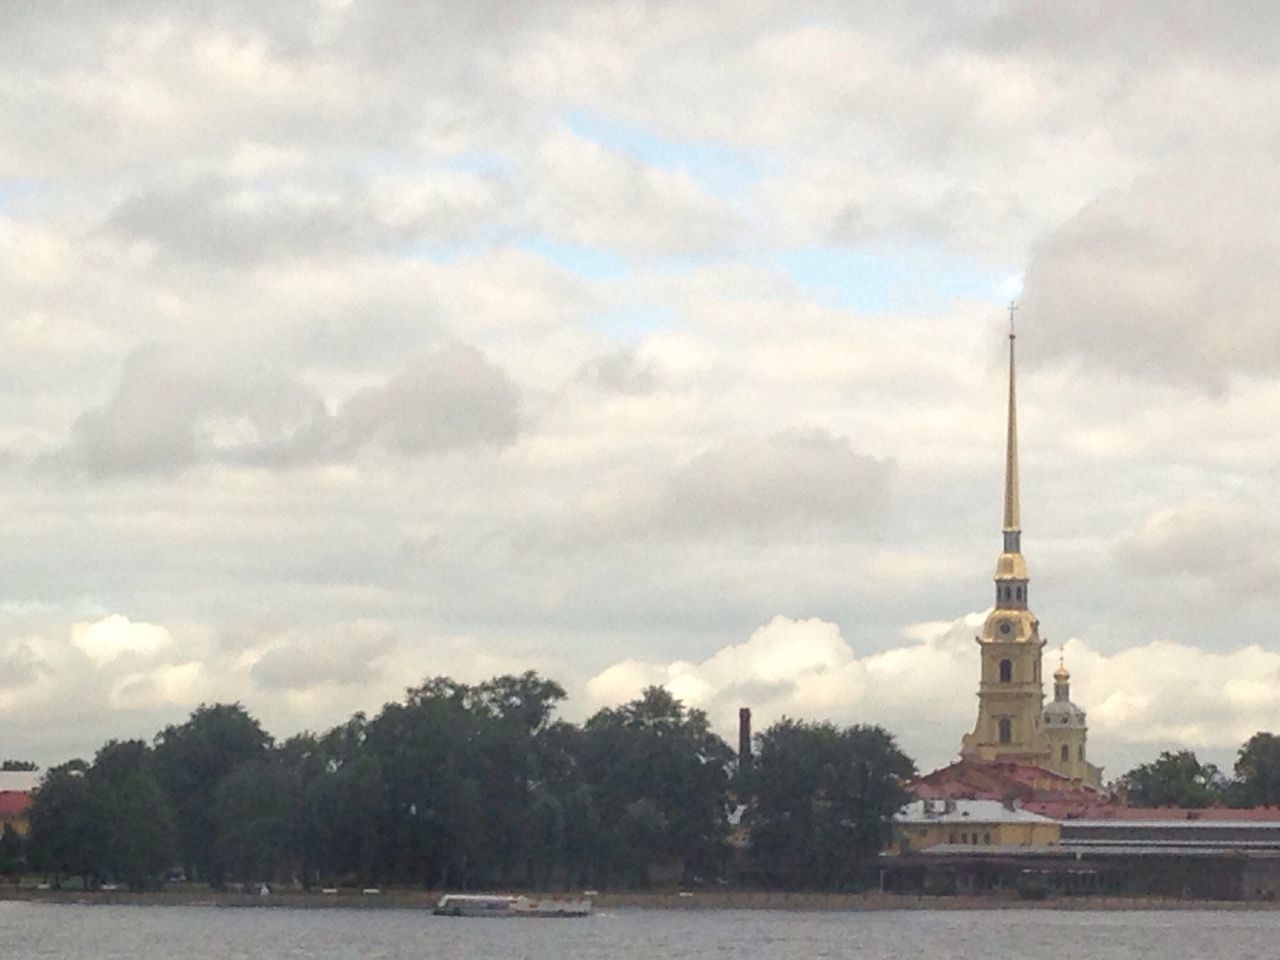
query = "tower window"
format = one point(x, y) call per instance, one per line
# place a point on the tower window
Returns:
point(1006, 728)
point(1006, 671)
point(1066, 753)
point(1020, 594)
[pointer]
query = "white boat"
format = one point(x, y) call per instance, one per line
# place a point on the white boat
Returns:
point(500, 905)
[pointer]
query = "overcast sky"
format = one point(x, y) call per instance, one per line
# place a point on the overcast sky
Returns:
point(351, 342)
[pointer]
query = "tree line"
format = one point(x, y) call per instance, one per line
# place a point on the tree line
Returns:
point(467, 786)
point(1179, 779)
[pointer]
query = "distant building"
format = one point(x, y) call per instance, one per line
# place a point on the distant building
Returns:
point(930, 823)
point(1034, 788)
point(17, 790)
point(15, 810)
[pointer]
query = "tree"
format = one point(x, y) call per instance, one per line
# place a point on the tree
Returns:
point(66, 825)
point(138, 829)
point(253, 819)
point(12, 852)
point(654, 749)
point(191, 761)
point(824, 801)
point(1257, 771)
point(1174, 780)
point(141, 837)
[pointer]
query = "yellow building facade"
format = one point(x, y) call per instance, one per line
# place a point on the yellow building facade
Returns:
point(983, 823)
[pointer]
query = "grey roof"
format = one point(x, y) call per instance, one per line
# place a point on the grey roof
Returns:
point(964, 812)
point(1067, 851)
point(1203, 824)
point(1063, 713)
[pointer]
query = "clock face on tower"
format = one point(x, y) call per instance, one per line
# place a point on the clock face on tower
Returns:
point(1006, 627)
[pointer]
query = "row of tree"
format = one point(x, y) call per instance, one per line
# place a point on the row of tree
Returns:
point(1179, 779)
point(473, 785)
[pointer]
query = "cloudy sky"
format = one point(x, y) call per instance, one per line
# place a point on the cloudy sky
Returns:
point(349, 342)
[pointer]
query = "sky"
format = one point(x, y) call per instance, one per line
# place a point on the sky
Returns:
point(347, 343)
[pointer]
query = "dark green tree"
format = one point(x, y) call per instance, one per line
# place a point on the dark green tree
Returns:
point(1257, 770)
point(462, 766)
point(343, 806)
point(139, 830)
point(141, 838)
point(67, 818)
point(824, 801)
point(1174, 779)
point(12, 852)
point(654, 749)
point(191, 760)
point(253, 814)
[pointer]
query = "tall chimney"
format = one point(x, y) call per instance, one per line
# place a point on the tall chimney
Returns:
point(744, 738)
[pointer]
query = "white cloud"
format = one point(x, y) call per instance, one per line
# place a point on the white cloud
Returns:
point(114, 636)
point(352, 654)
point(790, 480)
point(1170, 278)
point(601, 199)
point(182, 685)
point(175, 408)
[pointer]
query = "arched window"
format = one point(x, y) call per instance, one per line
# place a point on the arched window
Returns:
point(1020, 595)
point(1066, 753)
point(1006, 728)
point(1006, 671)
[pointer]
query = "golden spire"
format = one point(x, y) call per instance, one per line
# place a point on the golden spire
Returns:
point(1012, 513)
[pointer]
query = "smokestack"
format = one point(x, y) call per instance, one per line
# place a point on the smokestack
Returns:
point(744, 738)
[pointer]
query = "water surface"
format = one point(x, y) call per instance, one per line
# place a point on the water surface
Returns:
point(66, 931)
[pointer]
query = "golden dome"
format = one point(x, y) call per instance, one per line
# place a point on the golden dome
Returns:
point(1062, 674)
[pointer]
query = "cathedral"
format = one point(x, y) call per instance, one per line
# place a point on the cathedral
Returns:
point(1014, 726)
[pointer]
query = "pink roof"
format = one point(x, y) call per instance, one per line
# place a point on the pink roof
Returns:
point(971, 779)
point(14, 803)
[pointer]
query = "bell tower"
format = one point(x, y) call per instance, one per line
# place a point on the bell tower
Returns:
point(1010, 690)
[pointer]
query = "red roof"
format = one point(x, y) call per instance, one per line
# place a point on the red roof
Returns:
point(978, 780)
point(14, 804)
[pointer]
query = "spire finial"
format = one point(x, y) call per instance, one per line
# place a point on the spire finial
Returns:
point(1062, 674)
point(1012, 511)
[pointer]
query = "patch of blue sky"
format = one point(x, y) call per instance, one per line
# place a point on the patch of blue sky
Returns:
point(913, 280)
point(631, 323)
point(14, 190)
point(721, 170)
point(589, 263)
point(484, 162)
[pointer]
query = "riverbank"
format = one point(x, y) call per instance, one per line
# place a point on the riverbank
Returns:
point(713, 900)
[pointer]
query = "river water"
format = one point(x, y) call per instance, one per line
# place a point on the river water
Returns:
point(63, 932)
